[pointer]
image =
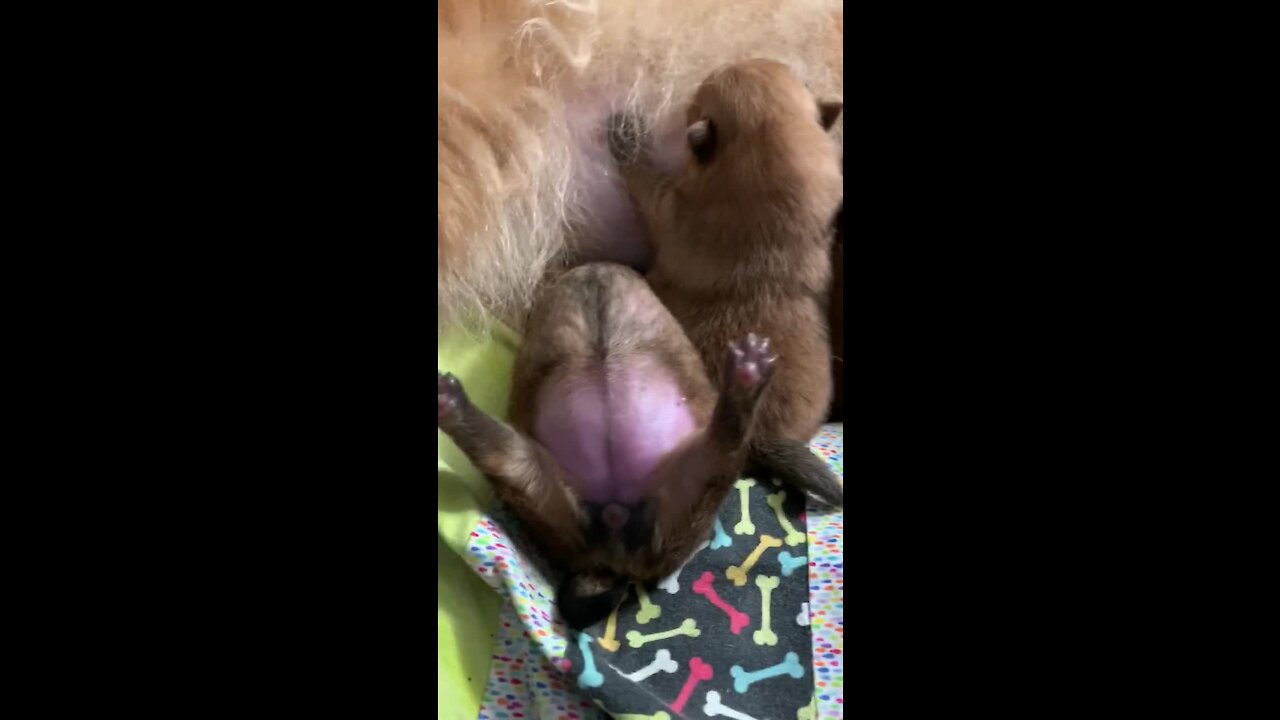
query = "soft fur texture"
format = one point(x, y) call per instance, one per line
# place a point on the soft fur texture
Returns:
point(743, 243)
point(588, 331)
point(524, 180)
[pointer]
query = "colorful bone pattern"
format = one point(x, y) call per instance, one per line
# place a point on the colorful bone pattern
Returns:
point(662, 662)
point(743, 680)
point(721, 539)
point(738, 573)
point(765, 635)
point(745, 526)
point(698, 672)
point(528, 608)
point(590, 677)
point(789, 563)
point(648, 611)
point(794, 537)
point(609, 641)
point(715, 708)
point(688, 628)
point(737, 619)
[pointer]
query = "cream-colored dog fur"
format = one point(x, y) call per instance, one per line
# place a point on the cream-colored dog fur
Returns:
point(525, 87)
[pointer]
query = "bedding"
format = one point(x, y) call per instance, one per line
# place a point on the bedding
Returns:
point(539, 667)
point(466, 607)
point(503, 653)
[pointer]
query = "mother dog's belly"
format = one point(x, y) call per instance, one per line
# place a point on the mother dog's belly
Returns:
point(610, 427)
point(605, 223)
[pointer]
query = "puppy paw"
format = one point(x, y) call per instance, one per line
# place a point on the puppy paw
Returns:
point(750, 363)
point(450, 397)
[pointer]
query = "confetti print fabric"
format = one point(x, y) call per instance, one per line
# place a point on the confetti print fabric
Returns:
point(826, 586)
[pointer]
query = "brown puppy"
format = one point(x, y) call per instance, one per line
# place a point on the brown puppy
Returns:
point(743, 242)
point(621, 453)
point(525, 184)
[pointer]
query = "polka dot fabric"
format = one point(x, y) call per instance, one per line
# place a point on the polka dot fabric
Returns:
point(826, 585)
point(524, 682)
point(526, 677)
point(494, 557)
point(830, 445)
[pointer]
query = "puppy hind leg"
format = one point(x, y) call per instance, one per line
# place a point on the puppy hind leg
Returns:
point(698, 477)
point(746, 372)
point(524, 474)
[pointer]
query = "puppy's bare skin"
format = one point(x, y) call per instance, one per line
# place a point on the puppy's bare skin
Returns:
point(619, 451)
point(742, 238)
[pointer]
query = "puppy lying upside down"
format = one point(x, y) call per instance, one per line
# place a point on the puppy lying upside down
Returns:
point(620, 453)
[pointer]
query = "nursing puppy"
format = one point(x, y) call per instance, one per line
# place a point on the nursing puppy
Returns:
point(525, 183)
point(620, 452)
point(742, 237)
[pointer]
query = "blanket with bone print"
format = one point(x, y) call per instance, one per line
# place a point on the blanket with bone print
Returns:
point(750, 628)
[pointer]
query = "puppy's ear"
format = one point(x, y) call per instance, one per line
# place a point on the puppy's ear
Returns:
point(702, 139)
point(828, 110)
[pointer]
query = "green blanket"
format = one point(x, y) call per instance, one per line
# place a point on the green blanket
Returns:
point(466, 608)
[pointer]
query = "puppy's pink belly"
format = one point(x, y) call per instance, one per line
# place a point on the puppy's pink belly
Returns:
point(572, 425)
point(610, 429)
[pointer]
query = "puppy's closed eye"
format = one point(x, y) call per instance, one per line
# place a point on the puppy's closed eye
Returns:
point(702, 139)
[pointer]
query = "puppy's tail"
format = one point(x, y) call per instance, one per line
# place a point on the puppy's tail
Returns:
point(793, 463)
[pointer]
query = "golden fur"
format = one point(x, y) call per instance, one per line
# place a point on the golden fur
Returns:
point(743, 242)
point(524, 87)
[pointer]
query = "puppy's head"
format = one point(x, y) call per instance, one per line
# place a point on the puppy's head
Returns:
point(756, 106)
